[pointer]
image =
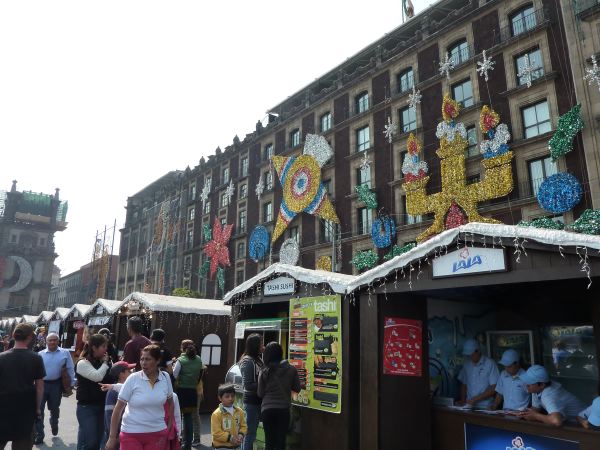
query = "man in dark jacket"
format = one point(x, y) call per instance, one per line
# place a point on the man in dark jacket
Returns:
point(133, 347)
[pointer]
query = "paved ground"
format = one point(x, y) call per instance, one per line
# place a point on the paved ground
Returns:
point(67, 429)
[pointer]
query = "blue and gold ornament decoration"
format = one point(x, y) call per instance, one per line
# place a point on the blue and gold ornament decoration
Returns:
point(259, 245)
point(559, 193)
point(383, 230)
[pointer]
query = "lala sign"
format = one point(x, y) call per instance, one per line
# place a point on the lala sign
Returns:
point(468, 261)
point(279, 286)
point(518, 444)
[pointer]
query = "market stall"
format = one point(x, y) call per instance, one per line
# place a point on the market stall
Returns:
point(533, 290)
point(43, 319)
point(56, 322)
point(74, 328)
point(26, 318)
point(102, 314)
point(206, 322)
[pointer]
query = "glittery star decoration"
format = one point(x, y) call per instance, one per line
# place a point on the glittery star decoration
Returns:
point(217, 248)
point(303, 189)
point(365, 164)
point(390, 130)
point(446, 66)
point(485, 66)
point(229, 191)
point(526, 71)
point(593, 75)
point(260, 188)
point(205, 192)
point(414, 99)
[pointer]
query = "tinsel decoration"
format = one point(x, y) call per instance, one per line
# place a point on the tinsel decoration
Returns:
point(412, 166)
point(324, 263)
point(390, 129)
point(366, 196)
point(205, 191)
point(569, 124)
point(593, 75)
point(260, 188)
point(526, 71)
point(588, 222)
point(397, 250)
point(229, 191)
point(217, 248)
point(207, 232)
point(485, 66)
point(221, 279)
point(455, 217)
point(289, 253)
point(365, 163)
point(414, 98)
point(446, 66)
point(559, 193)
point(496, 132)
point(542, 222)
point(204, 268)
point(303, 189)
point(383, 231)
point(365, 259)
point(259, 244)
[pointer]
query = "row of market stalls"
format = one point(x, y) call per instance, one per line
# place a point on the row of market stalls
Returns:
point(378, 353)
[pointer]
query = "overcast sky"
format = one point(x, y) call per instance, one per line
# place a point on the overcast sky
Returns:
point(102, 98)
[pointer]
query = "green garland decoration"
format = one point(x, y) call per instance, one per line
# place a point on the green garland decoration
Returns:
point(397, 250)
point(588, 222)
point(207, 232)
point(542, 222)
point(366, 259)
point(569, 125)
point(204, 268)
point(221, 279)
point(368, 197)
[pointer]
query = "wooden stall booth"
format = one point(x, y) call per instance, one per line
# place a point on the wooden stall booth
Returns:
point(305, 312)
point(56, 322)
point(535, 291)
point(75, 328)
point(206, 322)
point(43, 319)
point(26, 318)
point(102, 314)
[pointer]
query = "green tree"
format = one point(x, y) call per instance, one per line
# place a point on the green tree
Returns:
point(185, 292)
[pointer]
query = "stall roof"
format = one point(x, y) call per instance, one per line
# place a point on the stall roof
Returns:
point(81, 308)
point(109, 305)
point(44, 316)
point(157, 302)
point(61, 312)
point(337, 281)
point(542, 236)
point(26, 318)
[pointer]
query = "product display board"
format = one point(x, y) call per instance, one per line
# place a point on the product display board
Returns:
point(485, 438)
point(315, 350)
point(402, 347)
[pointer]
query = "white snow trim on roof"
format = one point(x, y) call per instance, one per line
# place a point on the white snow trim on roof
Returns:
point(61, 312)
point(337, 281)
point(26, 318)
point(110, 306)
point(45, 315)
point(81, 308)
point(156, 302)
point(550, 237)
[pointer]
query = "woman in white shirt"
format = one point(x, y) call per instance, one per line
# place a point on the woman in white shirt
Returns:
point(143, 399)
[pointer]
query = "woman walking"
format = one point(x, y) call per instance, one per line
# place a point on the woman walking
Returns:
point(92, 368)
point(250, 365)
point(276, 383)
point(188, 371)
point(146, 398)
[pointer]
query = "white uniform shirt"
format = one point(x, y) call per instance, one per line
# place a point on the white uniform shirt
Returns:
point(513, 391)
point(555, 398)
point(145, 411)
point(478, 378)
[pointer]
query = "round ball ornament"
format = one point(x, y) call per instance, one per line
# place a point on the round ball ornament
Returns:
point(289, 253)
point(559, 193)
point(383, 232)
point(259, 243)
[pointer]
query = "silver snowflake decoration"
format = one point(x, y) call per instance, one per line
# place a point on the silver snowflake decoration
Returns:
point(260, 188)
point(485, 66)
point(526, 71)
point(593, 75)
point(414, 99)
point(205, 192)
point(229, 191)
point(446, 65)
point(365, 163)
point(289, 252)
point(390, 130)
point(318, 147)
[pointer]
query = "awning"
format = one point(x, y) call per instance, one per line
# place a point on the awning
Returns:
point(99, 320)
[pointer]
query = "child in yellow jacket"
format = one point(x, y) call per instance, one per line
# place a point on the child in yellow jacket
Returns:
point(227, 423)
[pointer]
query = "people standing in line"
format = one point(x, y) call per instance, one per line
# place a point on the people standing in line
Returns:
point(91, 369)
point(227, 422)
point(277, 382)
point(133, 347)
point(143, 401)
point(188, 371)
point(250, 366)
point(510, 389)
point(111, 349)
point(21, 389)
point(478, 376)
point(56, 359)
point(119, 372)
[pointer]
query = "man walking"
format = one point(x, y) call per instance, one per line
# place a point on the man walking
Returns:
point(21, 389)
point(133, 347)
point(55, 359)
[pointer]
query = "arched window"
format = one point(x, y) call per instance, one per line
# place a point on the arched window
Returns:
point(522, 20)
point(459, 52)
point(211, 350)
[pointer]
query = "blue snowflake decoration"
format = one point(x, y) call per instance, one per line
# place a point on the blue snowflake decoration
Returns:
point(259, 243)
point(559, 193)
point(383, 232)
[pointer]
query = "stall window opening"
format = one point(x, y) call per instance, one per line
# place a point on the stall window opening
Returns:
point(211, 350)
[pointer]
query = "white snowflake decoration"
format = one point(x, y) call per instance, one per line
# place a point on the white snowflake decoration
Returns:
point(289, 252)
point(318, 147)
point(593, 75)
point(390, 130)
point(446, 66)
point(205, 192)
point(449, 130)
point(485, 66)
point(413, 165)
point(365, 163)
point(501, 136)
point(229, 191)
point(414, 99)
point(526, 71)
point(260, 188)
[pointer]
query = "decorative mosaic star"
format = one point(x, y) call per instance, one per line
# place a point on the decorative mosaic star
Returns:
point(217, 248)
point(414, 99)
point(446, 65)
point(229, 191)
point(260, 188)
point(365, 163)
point(593, 75)
point(485, 66)
point(390, 130)
point(205, 192)
point(526, 71)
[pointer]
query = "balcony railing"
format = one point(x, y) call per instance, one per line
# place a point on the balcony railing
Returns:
point(584, 6)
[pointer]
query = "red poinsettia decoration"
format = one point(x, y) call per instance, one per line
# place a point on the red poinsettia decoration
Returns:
point(217, 249)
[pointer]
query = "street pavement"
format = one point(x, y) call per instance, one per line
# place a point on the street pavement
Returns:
point(67, 429)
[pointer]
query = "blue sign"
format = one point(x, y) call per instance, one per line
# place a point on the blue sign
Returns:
point(487, 438)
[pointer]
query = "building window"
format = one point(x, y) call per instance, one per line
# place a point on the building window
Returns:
point(268, 180)
point(192, 192)
point(211, 350)
point(295, 234)
point(208, 182)
point(539, 170)
point(295, 138)
point(410, 220)
point(244, 166)
point(362, 102)
point(536, 119)
point(405, 80)
point(268, 151)
point(190, 238)
point(472, 140)
point(223, 221)
point(462, 92)
point(535, 61)
point(365, 217)
point(363, 176)
point(459, 52)
point(225, 175)
point(327, 186)
point(191, 213)
point(408, 119)
point(326, 230)
point(523, 20)
point(207, 207)
point(242, 222)
point(241, 250)
point(325, 122)
point(243, 191)
point(239, 277)
point(224, 199)
point(362, 139)
point(267, 212)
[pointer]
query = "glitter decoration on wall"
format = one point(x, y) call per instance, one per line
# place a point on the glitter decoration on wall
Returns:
point(569, 124)
point(593, 75)
point(221, 279)
point(260, 188)
point(496, 132)
point(324, 263)
point(366, 195)
point(456, 197)
point(485, 66)
point(259, 245)
point(289, 253)
point(217, 248)
point(365, 259)
point(365, 163)
point(526, 71)
point(204, 268)
point(542, 222)
point(383, 231)
point(229, 192)
point(559, 193)
point(446, 66)
point(588, 222)
point(205, 191)
point(390, 129)
point(303, 189)
point(397, 250)
point(207, 232)
point(412, 167)
point(414, 98)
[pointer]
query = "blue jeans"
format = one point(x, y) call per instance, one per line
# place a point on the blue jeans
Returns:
point(188, 429)
point(252, 419)
point(91, 426)
point(52, 396)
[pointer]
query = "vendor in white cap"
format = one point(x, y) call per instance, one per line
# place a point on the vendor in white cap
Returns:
point(589, 418)
point(478, 376)
point(510, 389)
point(549, 396)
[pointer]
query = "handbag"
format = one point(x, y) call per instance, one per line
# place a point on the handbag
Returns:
point(67, 389)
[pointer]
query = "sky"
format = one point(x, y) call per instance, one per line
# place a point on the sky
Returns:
point(100, 99)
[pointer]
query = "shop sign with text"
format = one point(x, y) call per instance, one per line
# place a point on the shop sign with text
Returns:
point(469, 260)
point(279, 286)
